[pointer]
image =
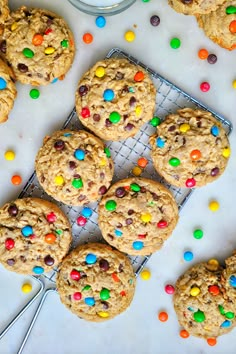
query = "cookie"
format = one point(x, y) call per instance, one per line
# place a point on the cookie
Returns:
point(229, 279)
point(115, 98)
point(35, 235)
point(7, 91)
point(74, 167)
point(39, 45)
point(137, 215)
point(190, 148)
point(220, 25)
point(193, 7)
point(96, 282)
point(200, 302)
point(4, 11)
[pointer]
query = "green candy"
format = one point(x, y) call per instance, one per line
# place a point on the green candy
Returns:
point(114, 117)
point(135, 187)
point(28, 53)
point(229, 315)
point(65, 43)
point(199, 316)
point(34, 93)
point(86, 287)
point(230, 10)
point(107, 152)
point(174, 161)
point(59, 232)
point(221, 309)
point(77, 183)
point(175, 43)
point(155, 121)
point(110, 205)
point(198, 233)
point(104, 294)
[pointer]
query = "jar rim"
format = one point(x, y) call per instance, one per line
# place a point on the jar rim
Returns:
point(102, 10)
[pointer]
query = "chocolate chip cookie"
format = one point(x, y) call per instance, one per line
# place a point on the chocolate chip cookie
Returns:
point(193, 7)
point(7, 91)
point(4, 11)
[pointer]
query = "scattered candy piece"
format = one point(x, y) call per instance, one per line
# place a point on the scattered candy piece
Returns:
point(100, 21)
point(169, 289)
point(142, 162)
point(100, 71)
point(155, 20)
point(234, 84)
point(34, 94)
point(137, 171)
point(163, 316)
point(9, 155)
point(145, 274)
point(139, 76)
point(188, 256)
point(38, 270)
point(81, 221)
point(212, 58)
point(16, 180)
point(86, 212)
point(214, 205)
point(129, 36)
point(175, 43)
point(203, 54)
point(183, 333)
point(138, 245)
point(195, 291)
point(198, 234)
point(211, 341)
point(213, 263)
point(205, 86)
point(110, 205)
point(87, 38)
point(190, 183)
point(26, 288)
point(155, 121)
point(91, 258)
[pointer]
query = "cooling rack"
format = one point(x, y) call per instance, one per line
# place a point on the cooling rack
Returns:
point(125, 154)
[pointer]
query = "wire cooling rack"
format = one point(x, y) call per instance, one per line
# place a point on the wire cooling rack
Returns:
point(125, 154)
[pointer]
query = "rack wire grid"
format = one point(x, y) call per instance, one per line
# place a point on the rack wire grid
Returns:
point(125, 153)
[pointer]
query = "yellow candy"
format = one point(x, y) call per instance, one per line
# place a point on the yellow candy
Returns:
point(129, 36)
point(213, 263)
point(146, 217)
point(234, 84)
point(14, 26)
point(100, 71)
point(184, 127)
point(9, 155)
point(49, 50)
point(103, 314)
point(138, 111)
point(26, 288)
point(195, 291)
point(103, 162)
point(145, 274)
point(59, 180)
point(214, 205)
point(226, 152)
point(137, 171)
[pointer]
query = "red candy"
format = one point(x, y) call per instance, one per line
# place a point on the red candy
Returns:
point(85, 113)
point(123, 293)
point(51, 217)
point(77, 296)
point(191, 182)
point(142, 236)
point(81, 220)
point(9, 243)
point(169, 289)
point(162, 224)
point(214, 290)
point(49, 30)
point(75, 275)
point(205, 86)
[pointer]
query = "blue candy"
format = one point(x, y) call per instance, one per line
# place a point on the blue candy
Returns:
point(86, 212)
point(38, 270)
point(79, 154)
point(89, 301)
point(160, 142)
point(225, 324)
point(3, 83)
point(138, 245)
point(108, 95)
point(232, 281)
point(100, 21)
point(91, 258)
point(67, 134)
point(215, 130)
point(118, 233)
point(27, 231)
point(54, 80)
point(188, 256)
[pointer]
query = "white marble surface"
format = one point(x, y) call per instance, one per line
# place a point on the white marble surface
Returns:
point(138, 329)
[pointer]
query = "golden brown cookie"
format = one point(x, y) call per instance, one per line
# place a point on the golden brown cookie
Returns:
point(200, 302)
point(74, 167)
point(38, 44)
point(4, 11)
point(35, 236)
point(7, 91)
point(193, 7)
point(114, 98)
point(190, 148)
point(220, 25)
point(229, 279)
point(96, 282)
point(137, 215)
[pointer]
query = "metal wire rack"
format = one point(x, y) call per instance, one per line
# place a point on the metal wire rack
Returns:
point(125, 154)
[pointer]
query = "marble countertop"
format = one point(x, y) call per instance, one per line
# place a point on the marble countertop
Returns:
point(138, 330)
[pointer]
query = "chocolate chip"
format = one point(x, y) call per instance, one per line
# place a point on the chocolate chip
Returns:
point(199, 124)
point(125, 116)
point(83, 90)
point(11, 262)
point(119, 226)
point(23, 259)
point(77, 176)
point(90, 184)
point(50, 19)
point(57, 56)
point(187, 2)
point(110, 237)
point(125, 89)
point(22, 68)
point(155, 20)
point(143, 189)
point(132, 101)
point(102, 175)
point(108, 123)
point(120, 192)
point(59, 145)
point(13, 210)
point(83, 274)
point(102, 190)
point(81, 197)
point(155, 196)
point(3, 46)
point(72, 165)
point(171, 128)
point(42, 179)
point(129, 221)
point(105, 305)
point(96, 117)
point(129, 127)
point(215, 171)
point(184, 141)
point(218, 141)
point(48, 260)
point(119, 75)
point(130, 211)
point(104, 265)
point(121, 268)
point(212, 58)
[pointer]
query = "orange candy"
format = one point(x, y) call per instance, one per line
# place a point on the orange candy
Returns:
point(50, 238)
point(163, 316)
point(87, 38)
point(37, 39)
point(214, 290)
point(16, 180)
point(139, 76)
point(203, 53)
point(142, 162)
point(232, 26)
point(115, 277)
point(183, 333)
point(195, 155)
point(212, 341)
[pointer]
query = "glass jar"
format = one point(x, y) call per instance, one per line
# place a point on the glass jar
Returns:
point(102, 7)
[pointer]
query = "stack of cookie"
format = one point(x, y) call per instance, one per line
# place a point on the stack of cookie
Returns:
point(37, 46)
point(217, 18)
